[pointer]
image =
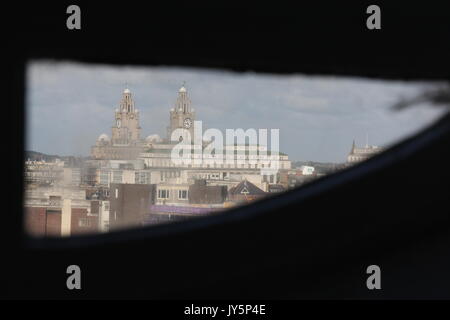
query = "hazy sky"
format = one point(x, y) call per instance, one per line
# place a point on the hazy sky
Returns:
point(71, 104)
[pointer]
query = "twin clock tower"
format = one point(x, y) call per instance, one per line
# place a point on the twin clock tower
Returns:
point(181, 116)
point(126, 142)
point(126, 129)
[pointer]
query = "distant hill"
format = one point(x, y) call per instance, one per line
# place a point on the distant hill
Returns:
point(38, 156)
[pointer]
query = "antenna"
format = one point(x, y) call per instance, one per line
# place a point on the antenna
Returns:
point(367, 140)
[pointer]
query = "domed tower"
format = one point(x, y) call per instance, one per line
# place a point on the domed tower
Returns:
point(126, 129)
point(153, 138)
point(182, 115)
point(103, 140)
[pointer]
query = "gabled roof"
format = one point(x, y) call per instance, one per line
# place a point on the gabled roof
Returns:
point(246, 188)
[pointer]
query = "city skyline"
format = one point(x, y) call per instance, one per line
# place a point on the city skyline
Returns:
point(71, 104)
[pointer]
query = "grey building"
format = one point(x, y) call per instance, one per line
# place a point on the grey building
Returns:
point(129, 203)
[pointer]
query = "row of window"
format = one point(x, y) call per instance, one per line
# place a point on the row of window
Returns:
point(117, 177)
point(165, 194)
point(214, 165)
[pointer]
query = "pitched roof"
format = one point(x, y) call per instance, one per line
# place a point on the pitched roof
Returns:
point(246, 188)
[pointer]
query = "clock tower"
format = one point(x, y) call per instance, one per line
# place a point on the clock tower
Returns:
point(126, 129)
point(182, 115)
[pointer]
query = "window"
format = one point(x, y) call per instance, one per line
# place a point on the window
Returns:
point(163, 194)
point(54, 201)
point(141, 178)
point(117, 176)
point(182, 194)
point(104, 177)
point(84, 222)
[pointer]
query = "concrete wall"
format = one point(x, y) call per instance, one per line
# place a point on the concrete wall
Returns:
point(129, 203)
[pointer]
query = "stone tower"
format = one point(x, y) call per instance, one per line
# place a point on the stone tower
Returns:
point(182, 115)
point(126, 129)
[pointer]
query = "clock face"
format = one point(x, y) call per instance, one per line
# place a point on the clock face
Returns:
point(118, 123)
point(187, 123)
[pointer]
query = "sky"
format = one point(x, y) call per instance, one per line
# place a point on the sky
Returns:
point(70, 104)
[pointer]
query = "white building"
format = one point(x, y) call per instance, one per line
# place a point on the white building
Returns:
point(306, 170)
point(103, 216)
point(42, 172)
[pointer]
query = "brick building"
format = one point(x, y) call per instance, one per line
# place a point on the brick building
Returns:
point(201, 193)
point(58, 212)
point(129, 203)
point(56, 222)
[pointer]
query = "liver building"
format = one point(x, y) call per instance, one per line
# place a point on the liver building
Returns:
point(126, 143)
